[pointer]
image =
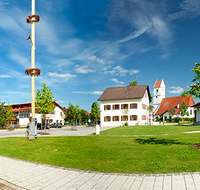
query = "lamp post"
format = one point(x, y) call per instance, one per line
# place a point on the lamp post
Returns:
point(32, 19)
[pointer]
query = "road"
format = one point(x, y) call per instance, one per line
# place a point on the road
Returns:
point(64, 131)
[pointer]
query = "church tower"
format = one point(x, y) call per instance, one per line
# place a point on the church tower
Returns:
point(158, 94)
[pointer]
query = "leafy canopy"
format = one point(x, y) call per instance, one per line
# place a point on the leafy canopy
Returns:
point(44, 99)
point(194, 88)
point(3, 115)
point(95, 112)
point(133, 83)
point(183, 109)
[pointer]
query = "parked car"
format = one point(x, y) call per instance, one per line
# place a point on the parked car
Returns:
point(56, 125)
point(39, 126)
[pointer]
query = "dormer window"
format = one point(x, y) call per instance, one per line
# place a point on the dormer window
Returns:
point(126, 93)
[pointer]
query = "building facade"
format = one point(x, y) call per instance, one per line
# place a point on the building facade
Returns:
point(125, 104)
point(22, 112)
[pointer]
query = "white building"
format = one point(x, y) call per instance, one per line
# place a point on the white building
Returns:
point(22, 112)
point(125, 104)
point(162, 105)
point(158, 94)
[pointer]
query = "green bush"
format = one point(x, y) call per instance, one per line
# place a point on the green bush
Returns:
point(125, 124)
point(169, 120)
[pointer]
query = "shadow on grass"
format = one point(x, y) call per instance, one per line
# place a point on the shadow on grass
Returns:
point(157, 141)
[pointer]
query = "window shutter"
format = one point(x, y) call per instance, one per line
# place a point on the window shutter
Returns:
point(113, 107)
point(104, 107)
point(121, 118)
point(131, 106)
point(113, 118)
point(117, 118)
point(122, 106)
point(104, 118)
point(109, 118)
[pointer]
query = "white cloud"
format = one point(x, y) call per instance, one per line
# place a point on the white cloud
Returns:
point(83, 69)
point(189, 9)
point(118, 70)
point(175, 90)
point(94, 92)
point(5, 76)
point(135, 34)
point(116, 81)
point(67, 75)
point(94, 58)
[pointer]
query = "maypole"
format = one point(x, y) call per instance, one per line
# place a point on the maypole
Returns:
point(32, 19)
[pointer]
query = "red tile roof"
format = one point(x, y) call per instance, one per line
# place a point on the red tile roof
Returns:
point(167, 103)
point(157, 84)
point(126, 92)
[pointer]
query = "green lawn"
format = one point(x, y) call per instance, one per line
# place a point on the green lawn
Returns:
point(151, 130)
point(124, 154)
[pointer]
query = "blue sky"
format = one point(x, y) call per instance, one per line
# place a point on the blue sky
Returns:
point(84, 47)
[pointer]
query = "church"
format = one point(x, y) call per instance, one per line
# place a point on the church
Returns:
point(162, 105)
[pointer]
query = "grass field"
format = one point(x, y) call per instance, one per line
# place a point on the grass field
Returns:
point(114, 150)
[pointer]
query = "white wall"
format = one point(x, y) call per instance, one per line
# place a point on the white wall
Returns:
point(139, 111)
point(158, 96)
point(56, 116)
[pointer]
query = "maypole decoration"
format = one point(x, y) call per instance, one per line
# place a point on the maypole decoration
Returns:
point(32, 19)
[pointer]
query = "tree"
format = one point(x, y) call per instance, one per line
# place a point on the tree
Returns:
point(95, 112)
point(194, 88)
point(73, 111)
point(150, 112)
point(172, 110)
point(44, 100)
point(2, 114)
point(9, 113)
point(183, 109)
point(84, 116)
point(133, 83)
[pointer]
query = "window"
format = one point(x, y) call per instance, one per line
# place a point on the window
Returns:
point(24, 115)
point(156, 96)
point(144, 117)
point(156, 90)
point(124, 118)
point(107, 118)
point(133, 118)
point(133, 106)
point(115, 118)
point(124, 106)
point(116, 107)
point(144, 106)
point(107, 107)
point(190, 112)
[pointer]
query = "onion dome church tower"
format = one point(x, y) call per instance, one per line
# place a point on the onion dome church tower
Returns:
point(158, 94)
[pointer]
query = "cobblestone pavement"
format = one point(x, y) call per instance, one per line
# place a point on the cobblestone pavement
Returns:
point(27, 175)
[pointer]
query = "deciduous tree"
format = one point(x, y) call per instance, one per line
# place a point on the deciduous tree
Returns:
point(73, 111)
point(195, 87)
point(183, 109)
point(95, 112)
point(2, 114)
point(133, 83)
point(44, 100)
point(9, 113)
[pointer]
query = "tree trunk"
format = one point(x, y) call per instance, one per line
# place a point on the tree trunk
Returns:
point(45, 125)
